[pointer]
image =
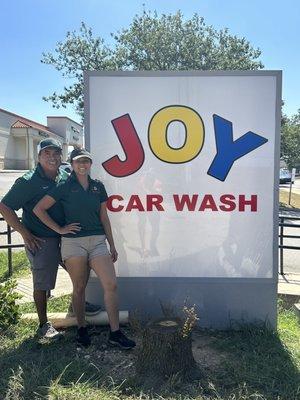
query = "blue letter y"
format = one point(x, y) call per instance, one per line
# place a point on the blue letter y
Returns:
point(228, 151)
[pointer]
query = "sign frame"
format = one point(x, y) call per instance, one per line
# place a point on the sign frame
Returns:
point(220, 302)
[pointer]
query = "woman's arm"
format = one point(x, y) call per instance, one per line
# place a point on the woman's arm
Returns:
point(107, 229)
point(40, 210)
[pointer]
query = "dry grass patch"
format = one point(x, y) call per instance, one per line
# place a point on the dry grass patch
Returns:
point(284, 199)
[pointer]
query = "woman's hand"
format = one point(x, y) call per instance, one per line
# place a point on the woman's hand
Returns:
point(70, 228)
point(113, 254)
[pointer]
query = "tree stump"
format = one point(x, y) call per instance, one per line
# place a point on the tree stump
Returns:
point(165, 350)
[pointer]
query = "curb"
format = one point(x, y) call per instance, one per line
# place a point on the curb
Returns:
point(12, 171)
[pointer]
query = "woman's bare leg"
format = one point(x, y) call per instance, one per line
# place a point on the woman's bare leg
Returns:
point(78, 269)
point(105, 270)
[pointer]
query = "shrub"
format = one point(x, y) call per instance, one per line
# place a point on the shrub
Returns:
point(9, 309)
point(20, 263)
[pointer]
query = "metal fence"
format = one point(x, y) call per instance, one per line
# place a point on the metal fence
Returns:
point(282, 236)
point(282, 224)
point(9, 246)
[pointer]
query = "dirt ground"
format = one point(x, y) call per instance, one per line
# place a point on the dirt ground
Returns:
point(120, 364)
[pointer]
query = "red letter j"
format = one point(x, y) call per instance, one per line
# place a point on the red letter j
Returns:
point(131, 145)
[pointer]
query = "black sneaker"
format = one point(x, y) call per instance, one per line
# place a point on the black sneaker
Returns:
point(90, 309)
point(118, 339)
point(82, 337)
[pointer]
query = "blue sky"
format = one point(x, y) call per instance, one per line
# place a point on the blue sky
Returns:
point(30, 27)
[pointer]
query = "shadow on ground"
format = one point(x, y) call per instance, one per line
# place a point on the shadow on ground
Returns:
point(252, 363)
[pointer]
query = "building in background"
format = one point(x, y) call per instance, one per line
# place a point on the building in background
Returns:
point(19, 137)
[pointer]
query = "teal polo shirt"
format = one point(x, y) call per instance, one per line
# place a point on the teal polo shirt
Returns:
point(81, 205)
point(27, 191)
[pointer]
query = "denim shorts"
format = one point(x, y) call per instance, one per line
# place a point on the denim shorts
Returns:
point(85, 246)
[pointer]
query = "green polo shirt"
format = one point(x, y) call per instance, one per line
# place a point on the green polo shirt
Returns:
point(27, 191)
point(81, 205)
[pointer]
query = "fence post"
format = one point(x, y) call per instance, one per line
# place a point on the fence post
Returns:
point(281, 244)
point(9, 251)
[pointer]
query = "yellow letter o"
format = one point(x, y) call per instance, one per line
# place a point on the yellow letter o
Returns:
point(194, 132)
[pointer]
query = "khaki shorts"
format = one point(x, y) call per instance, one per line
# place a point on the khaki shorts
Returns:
point(86, 246)
point(44, 263)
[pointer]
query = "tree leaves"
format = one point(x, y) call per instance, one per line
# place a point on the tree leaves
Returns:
point(290, 140)
point(151, 42)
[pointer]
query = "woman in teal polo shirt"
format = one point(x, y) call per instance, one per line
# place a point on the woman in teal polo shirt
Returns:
point(84, 241)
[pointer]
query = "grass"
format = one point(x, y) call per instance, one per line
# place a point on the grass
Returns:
point(20, 263)
point(55, 304)
point(254, 364)
point(284, 199)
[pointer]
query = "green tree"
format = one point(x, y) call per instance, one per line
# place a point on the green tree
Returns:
point(151, 42)
point(290, 140)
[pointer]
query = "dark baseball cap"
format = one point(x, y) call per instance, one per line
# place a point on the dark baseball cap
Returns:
point(49, 142)
point(80, 153)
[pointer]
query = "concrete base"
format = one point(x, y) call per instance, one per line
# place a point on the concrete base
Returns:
point(64, 320)
point(220, 303)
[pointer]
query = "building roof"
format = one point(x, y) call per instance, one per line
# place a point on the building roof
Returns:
point(60, 116)
point(23, 123)
point(32, 124)
point(25, 120)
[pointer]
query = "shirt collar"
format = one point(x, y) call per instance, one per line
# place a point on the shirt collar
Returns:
point(73, 178)
point(60, 175)
point(39, 170)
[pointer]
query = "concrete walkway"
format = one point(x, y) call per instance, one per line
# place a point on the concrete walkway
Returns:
point(63, 286)
point(289, 284)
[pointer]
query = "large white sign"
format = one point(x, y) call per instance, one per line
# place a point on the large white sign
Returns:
point(188, 162)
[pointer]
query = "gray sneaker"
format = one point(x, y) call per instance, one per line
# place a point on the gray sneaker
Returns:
point(47, 331)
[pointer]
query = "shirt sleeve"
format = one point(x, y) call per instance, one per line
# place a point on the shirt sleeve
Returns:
point(103, 193)
point(58, 192)
point(20, 193)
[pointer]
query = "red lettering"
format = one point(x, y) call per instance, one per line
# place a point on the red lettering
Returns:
point(252, 202)
point(228, 201)
point(109, 203)
point(134, 203)
point(208, 203)
point(185, 201)
point(154, 200)
point(132, 147)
